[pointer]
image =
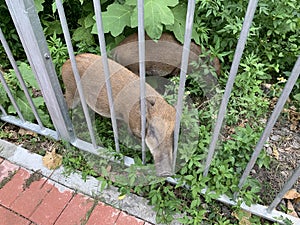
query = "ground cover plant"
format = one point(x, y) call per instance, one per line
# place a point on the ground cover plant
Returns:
point(272, 48)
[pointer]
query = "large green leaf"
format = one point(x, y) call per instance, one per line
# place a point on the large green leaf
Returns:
point(23, 106)
point(157, 14)
point(27, 75)
point(178, 27)
point(115, 19)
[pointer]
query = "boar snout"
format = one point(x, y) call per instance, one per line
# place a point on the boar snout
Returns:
point(163, 165)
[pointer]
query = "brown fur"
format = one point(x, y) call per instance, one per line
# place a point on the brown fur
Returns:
point(126, 94)
point(163, 57)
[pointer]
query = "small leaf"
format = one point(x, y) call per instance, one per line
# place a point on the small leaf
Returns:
point(297, 97)
point(52, 160)
point(24, 132)
point(89, 20)
point(39, 5)
point(121, 197)
point(291, 210)
point(83, 34)
point(189, 177)
point(292, 194)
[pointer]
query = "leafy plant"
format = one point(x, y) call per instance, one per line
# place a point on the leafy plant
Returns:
point(20, 98)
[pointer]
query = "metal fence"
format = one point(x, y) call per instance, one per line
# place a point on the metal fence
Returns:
point(30, 31)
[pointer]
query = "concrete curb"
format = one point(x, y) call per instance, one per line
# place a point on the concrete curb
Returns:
point(132, 204)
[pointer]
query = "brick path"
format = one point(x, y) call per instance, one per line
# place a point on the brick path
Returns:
point(26, 198)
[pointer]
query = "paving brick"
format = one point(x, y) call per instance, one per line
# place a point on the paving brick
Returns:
point(125, 219)
point(76, 211)
point(28, 201)
point(8, 217)
point(5, 168)
point(13, 188)
point(52, 206)
point(103, 215)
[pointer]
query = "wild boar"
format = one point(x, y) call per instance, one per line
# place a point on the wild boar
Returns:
point(162, 57)
point(160, 117)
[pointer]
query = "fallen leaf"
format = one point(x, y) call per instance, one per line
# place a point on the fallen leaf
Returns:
point(275, 153)
point(292, 194)
point(242, 216)
point(52, 160)
point(108, 168)
point(24, 132)
point(121, 197)
point(290, 209)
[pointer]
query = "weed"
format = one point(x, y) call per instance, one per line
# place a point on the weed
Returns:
point(35, 176)
point(5, 180)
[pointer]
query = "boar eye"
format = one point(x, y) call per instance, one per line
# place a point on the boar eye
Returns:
point(152, 133)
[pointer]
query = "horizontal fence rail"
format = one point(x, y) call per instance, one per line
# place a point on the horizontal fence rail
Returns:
point(33, 40)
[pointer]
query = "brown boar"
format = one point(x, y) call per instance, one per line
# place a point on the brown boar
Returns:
point(160, 117)
point(162, 57)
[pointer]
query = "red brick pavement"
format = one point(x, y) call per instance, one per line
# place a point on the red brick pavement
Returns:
point(41, 202)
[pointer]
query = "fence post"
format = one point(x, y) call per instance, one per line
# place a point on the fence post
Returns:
point(31, 34)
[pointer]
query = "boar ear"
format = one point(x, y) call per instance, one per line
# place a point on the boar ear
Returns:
point(150, 102)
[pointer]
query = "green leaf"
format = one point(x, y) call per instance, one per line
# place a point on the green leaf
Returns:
point(3, 96)
point(38, 102)
point(27, 75)
point(53, 27)
point(44, 116)
point(131, 2)
point(157, 14)
point(89, 20)
point(83, 34)
point(297, 97)
point(178, 27)
point(115, 19)
point(189, 177)
point(39, 5)
point(23, 106)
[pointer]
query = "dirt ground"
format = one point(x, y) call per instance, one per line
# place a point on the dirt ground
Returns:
point(284, 148)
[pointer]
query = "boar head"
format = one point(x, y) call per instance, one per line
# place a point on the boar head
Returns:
point(160, 134)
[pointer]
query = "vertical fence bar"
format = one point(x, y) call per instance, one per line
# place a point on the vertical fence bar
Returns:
point(67, 36)
point(20, 78)
point(99, 23)
point(272, 120)
point(233, 71)
point(30, 31)
point(184, 65)
point(11, 97)
point(3, 110)
point(141, 38)
point(287, 186)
